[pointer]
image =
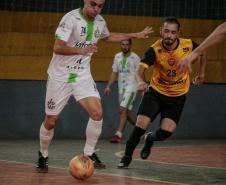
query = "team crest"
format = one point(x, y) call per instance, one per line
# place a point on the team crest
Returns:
point(51, 104)
point(171, 61)
point(62, 25)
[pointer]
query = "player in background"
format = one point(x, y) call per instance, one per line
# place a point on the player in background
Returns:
point(123, 68)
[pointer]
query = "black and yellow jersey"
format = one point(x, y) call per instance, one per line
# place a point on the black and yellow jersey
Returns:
point(166, 78)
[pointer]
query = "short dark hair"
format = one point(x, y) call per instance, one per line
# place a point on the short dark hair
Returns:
point(172, 20)
point(129, 40)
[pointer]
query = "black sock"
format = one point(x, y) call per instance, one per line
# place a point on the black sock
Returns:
point(133, 140)
point(160, 135)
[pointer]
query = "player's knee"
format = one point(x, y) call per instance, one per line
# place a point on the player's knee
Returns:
point(122, 110)
point(163, 134)
point(142, 122)
point(50, 121)
point(141, 125)
point(96, 115)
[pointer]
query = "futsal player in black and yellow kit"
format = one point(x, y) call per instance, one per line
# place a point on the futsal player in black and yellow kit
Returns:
point(166, 94)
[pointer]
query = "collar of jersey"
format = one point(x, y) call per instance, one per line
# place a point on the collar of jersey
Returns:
point(81, 13)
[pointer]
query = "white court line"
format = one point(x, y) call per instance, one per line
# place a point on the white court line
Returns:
point(100, 173)
point(120, 154)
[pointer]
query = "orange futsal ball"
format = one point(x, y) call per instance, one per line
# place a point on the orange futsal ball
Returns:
point(81, 167)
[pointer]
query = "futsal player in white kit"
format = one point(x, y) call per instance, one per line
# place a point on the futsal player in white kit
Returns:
point(69, 74)
point(124, 68)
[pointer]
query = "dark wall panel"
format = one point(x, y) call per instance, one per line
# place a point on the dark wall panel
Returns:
point(22, 111)
point(205, 9)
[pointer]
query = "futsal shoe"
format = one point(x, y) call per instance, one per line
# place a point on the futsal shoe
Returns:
point(115, 139)
point(96, 161)
point(148, 143)
point(42, 166)
point(125, 161)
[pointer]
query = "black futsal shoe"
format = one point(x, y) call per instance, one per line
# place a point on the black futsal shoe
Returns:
point(42, 166)
point(125, 161)
point(96, 161)
point(148, 143)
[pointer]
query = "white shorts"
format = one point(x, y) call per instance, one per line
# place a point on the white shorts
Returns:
point(127, 98)
point(58, 93)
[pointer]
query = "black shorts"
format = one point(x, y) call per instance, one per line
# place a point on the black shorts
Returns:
point(154, 103)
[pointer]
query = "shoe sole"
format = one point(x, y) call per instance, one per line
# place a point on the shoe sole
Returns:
point(41, 170)
point(114, 141)
point(145, 138)
point(123, 167)
point(99, 167)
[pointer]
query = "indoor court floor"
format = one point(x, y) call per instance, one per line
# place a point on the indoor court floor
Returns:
point(172, 162)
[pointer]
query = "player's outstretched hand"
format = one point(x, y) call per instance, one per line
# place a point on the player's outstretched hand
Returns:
point(145, 33)
point(142, 86)
point(107, 91)
point(185, 65)
point(198, 80)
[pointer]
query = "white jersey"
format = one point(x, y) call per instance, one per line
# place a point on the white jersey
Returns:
point(77, 32)
point(126, 67)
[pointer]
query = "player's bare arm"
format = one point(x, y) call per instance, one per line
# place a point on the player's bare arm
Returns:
point(217, 36)
point(199, 79)
point(112, 79)
point(61, 48)
point(185, 64)
point(141, 84)
point(118, 37)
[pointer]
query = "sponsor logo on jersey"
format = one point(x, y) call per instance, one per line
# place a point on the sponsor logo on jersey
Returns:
point(82, 44)
point(165, 82)
point(186, 49)
point(97, 33)
point(76, 67)
point(124, 71)
point(62, 25)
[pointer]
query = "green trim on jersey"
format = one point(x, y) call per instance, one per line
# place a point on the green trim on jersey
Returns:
point(89, 25)
point(72, 78)
point(130, 101)
point(57, 36)
point(90, 29)
point(123, 62)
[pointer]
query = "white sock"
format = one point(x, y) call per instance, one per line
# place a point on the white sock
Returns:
point(93, 131)
point(119, 134)
point(45, 137)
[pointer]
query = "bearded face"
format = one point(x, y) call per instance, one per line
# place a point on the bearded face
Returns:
point(125, 46)
point(170, 33)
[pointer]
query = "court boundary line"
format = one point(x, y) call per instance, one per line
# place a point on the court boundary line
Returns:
point(120, 154)
point(101, 173)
